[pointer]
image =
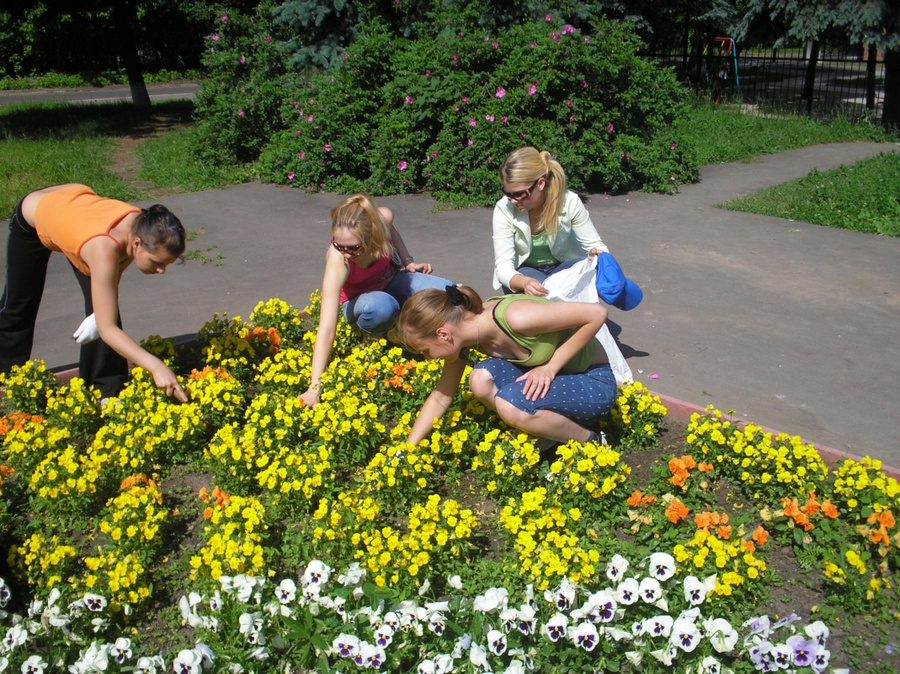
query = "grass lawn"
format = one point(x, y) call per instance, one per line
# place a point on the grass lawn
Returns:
point(864, 197)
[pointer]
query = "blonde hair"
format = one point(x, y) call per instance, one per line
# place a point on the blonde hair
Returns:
point(526, 165)
point(358, 214)
point(427, 310)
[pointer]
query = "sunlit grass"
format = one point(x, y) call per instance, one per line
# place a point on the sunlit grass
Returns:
point(864, 197)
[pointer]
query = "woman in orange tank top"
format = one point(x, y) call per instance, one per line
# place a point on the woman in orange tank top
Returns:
point(100, 237)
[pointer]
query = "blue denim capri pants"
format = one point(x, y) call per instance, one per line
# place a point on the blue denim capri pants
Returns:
point(585, 398)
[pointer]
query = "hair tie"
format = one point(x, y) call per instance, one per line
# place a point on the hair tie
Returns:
point(454, 294)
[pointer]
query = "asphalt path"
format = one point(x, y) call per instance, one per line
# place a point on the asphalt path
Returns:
point(116, 93)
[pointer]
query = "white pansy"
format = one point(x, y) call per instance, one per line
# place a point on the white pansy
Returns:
point(317, 573)
point(455, 582)
point(628, 592)
point(496, 642)
point(286, 591)
point(662, 566)
point(494, 599)
point(720, 634)
point(354, 575)
point(121, 650)
point(650, 590)
point(34, 665)
point(685, 635)
point(478, 657)
point(616, 568)
point(188, 661)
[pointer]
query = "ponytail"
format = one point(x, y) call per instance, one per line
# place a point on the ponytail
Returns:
point(157, 226)
point(427, 310)
point(527, 164)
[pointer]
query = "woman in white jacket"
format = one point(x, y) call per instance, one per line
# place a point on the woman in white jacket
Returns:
point(539, 227)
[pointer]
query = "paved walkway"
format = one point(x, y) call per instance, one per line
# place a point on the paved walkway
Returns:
point(792, 325)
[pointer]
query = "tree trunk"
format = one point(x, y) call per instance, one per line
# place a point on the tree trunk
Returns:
point(871, 63)
point(890, 115)
point(123, 15)
point(809, 84)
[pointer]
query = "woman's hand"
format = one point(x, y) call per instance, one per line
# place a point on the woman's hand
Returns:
point(421, 267)
point(537, 382)
point(534, 287)
point(310, 397)
point(595, 252)
point(168, 382)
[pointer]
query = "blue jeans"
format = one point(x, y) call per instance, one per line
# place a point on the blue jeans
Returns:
point(375, 312)
point(540, 274)
point(585, 398)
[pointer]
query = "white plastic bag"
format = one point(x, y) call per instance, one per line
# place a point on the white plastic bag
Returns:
point(577, 284)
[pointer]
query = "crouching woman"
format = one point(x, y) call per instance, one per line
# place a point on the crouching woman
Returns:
point(546, 374)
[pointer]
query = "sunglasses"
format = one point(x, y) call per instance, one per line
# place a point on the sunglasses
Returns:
point(352, 250)
point(521, 194)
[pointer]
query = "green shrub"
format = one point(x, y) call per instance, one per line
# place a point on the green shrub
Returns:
point(441, 114)
point(238, 105)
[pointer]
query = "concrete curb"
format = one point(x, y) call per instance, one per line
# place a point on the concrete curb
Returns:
point(681, 411)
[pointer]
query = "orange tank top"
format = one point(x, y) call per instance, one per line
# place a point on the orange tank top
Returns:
point(66, 219)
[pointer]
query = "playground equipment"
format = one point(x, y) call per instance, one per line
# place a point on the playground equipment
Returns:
point(722, 68)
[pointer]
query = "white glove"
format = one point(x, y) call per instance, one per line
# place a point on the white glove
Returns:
point(87, 331)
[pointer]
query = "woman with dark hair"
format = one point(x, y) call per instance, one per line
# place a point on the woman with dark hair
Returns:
point(546, 374)
point(100, 237)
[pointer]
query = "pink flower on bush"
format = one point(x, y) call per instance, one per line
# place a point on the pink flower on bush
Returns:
point(532, 90)
point(240, 112)
point(569, 103)
point(224, 18)
point(672, 178)
point(495, 45)
point(268, 39)
point(503, 119)
point(291, 175)
point(609, 128)
point(456, 57)
point(327, 148)
point(571, 119)
point(548, 18)
point(471, 142)
point(401, 165)
point(584, 84)
point(587, 40)
point(489, 118)
point(427, 73)
point(242, 59)
point(215, 38)
point(568, 29)
point(673, 146)
point(501, 92)
point(408, 100)
point(301, 154)
point(309, 118)
point(472, 122)
point(434, 154)
point(465, 99)
point(532, 44)
point(297, 105)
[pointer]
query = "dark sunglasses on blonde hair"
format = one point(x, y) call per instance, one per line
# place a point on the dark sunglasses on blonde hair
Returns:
point(352, 250)
point(521, 194)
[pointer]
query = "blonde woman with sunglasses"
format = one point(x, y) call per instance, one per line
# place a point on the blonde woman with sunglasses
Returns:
point(369, 274)
point(539, 227)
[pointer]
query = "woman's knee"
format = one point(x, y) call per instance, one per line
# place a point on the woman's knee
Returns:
point(376, 314)
point(482, 385)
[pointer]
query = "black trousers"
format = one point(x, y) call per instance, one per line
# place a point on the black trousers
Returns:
point(26, 273)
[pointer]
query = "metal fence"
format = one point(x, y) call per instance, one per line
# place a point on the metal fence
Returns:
point(841, 82)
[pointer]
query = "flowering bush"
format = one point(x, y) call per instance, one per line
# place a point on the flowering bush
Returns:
point(416, 549)
point(440, 110)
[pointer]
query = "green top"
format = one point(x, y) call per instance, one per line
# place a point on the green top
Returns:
point(541, 347)
point(540, 252)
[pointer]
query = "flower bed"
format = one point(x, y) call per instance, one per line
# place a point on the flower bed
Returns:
point(319, 539)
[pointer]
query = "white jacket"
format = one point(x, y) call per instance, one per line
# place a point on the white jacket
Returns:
point(575, 236)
